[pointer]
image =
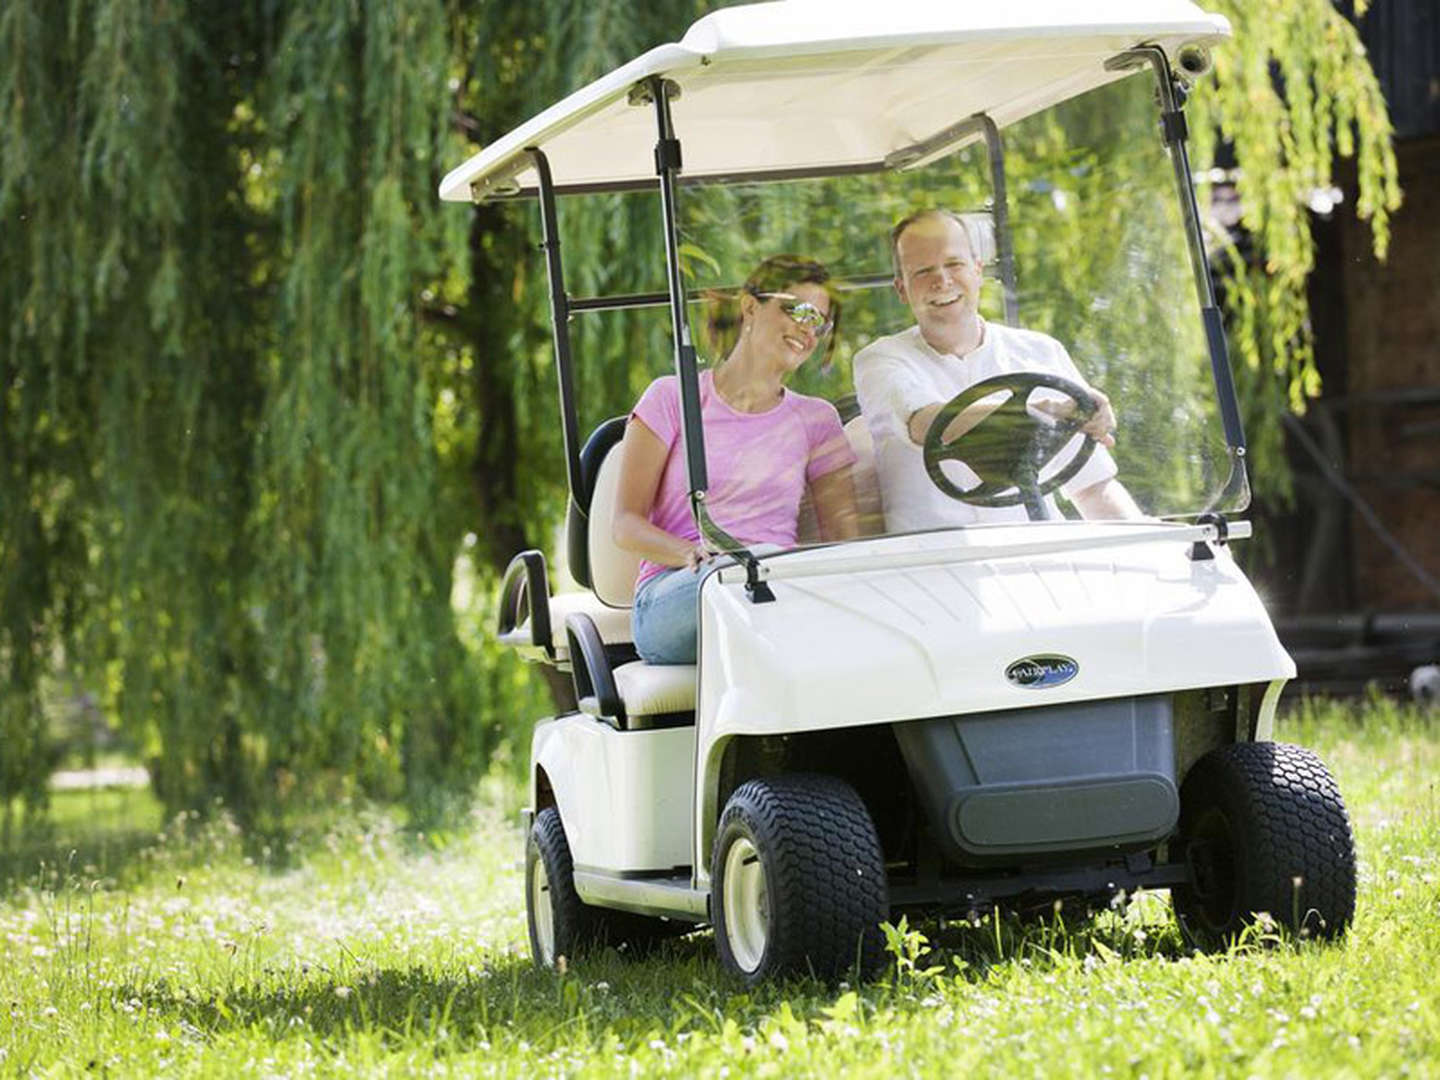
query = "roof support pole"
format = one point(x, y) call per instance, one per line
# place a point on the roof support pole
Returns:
point(667, 167)
point(948, 139)
point(560, 325)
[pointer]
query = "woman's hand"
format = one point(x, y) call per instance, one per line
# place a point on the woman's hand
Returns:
point(697, 556)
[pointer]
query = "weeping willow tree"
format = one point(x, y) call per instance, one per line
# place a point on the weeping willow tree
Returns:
point(247, 354)
point(257, 386)
point(1291, 94)
point(131, 358)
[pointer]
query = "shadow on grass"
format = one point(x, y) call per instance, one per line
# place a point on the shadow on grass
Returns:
point(98, 833)
point(679, 987)
point(507, 1000)
point(1060, 934)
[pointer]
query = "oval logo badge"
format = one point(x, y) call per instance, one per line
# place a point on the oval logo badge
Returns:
point(1042, 672)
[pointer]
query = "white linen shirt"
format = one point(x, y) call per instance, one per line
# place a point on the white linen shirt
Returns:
point(898, 374)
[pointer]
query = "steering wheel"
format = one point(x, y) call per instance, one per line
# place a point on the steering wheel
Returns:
point(1009, 446)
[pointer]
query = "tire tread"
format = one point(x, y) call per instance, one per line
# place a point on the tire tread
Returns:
point(1296, 850)
point(825, 871)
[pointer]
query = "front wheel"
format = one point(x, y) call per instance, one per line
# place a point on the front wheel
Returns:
point(798, 880)
point(1265, 832)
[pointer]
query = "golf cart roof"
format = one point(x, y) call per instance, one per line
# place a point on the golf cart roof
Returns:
point(818, 85)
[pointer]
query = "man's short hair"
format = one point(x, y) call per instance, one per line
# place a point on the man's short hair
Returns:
point(922, 215)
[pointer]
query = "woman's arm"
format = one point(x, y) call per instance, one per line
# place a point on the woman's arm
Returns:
point(642, 460)
point(834, 498)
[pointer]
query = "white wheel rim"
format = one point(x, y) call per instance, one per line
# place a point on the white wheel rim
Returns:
point(542, 913)
point(747, 904)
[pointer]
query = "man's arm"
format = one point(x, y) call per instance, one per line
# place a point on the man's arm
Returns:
point(1106, 500)
point(885, 386)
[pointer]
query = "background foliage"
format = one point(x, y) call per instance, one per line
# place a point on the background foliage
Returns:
point(259, 389)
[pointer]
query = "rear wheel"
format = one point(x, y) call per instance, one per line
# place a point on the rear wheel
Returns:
point(1264, 830)
point(561, 924)
point(798, 880)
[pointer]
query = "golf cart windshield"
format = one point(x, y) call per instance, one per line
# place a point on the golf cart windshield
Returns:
point(1086, 285)
point(1055, 352)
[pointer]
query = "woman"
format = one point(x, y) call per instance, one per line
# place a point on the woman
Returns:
point(764, 446)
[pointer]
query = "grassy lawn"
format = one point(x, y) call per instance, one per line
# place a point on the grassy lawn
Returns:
point(374, 951)
point(91, 833)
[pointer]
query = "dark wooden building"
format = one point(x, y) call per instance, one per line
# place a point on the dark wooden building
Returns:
point(1357, 563)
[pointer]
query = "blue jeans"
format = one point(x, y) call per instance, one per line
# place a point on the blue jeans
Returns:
point(667, 606)
point(663, 620)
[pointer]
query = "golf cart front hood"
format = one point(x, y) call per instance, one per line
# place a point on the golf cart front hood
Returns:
point(901, 642)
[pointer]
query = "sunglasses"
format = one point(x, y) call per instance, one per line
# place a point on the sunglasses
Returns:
point(801, 312)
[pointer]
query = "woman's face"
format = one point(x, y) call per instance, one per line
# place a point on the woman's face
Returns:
point(782, 323)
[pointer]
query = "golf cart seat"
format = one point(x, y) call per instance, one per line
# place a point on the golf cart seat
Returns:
point(542, 636)
point(589, 631)
point(609, 683)
point(605, 572)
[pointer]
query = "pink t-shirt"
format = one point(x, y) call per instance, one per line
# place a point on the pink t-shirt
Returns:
point(758, 463)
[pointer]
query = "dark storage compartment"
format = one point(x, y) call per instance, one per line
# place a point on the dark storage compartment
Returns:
point(1005, 787)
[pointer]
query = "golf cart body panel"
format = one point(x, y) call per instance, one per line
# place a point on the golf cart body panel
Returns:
point(625, 796)
point(1105, 784)
point(897, 74)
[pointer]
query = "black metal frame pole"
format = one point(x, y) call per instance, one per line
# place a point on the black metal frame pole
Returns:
point(1175, 131)
point(667, 168)
point(560, 324)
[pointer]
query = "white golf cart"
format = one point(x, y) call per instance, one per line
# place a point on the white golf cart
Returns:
point(1026, 707)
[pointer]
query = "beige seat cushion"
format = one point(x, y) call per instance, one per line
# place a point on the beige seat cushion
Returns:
point(612, 623)
point(651, 689)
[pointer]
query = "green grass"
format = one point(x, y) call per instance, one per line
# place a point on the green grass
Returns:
point(369, 950)
point(97, 833)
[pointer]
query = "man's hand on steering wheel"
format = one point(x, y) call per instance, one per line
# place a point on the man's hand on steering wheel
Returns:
point(1100, 427)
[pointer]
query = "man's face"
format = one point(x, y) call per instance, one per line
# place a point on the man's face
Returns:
point(939, 278)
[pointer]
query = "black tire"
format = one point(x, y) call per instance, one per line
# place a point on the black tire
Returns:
point(560, 923)
point(1264, 830)
point(807, 877)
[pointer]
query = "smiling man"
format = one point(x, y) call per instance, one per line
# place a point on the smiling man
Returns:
point(904, 380)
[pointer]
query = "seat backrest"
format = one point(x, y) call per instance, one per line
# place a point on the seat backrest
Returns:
point(612, 568)
point(596, 561)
